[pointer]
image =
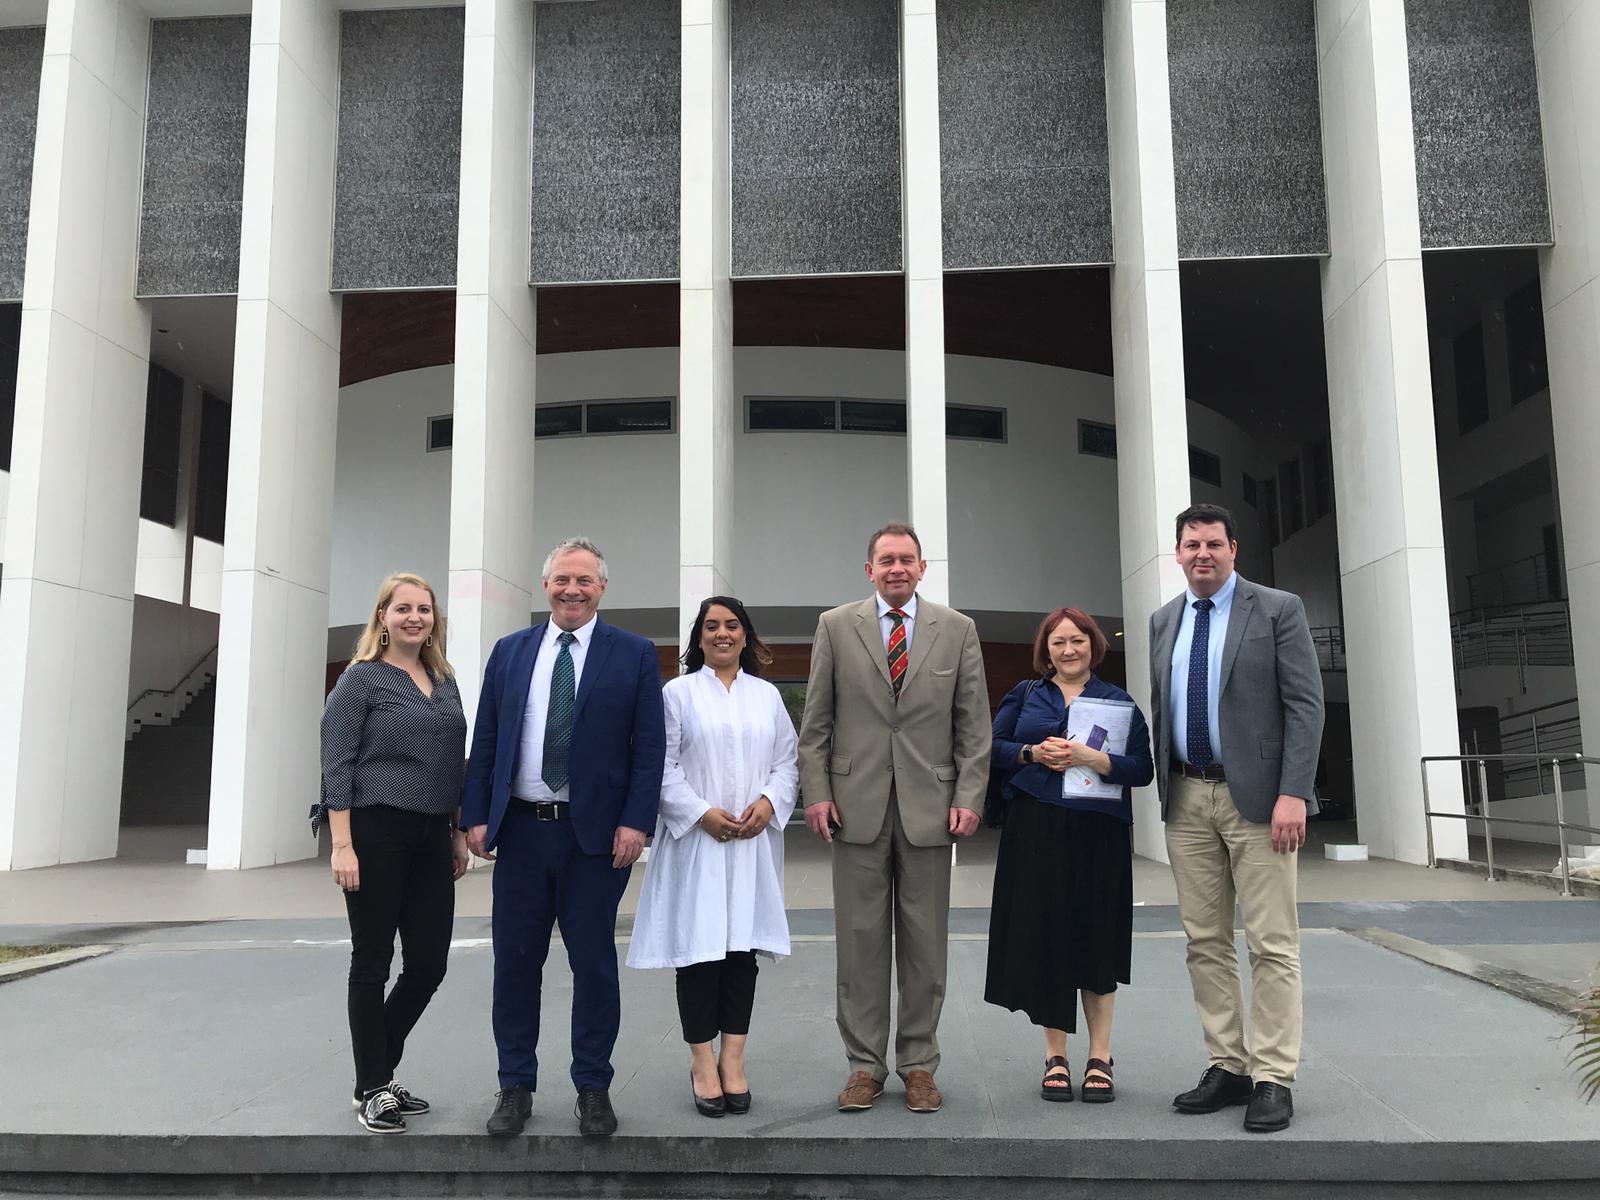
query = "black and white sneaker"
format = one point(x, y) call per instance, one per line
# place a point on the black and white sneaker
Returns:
point(410, 1106)
point(381, 1113)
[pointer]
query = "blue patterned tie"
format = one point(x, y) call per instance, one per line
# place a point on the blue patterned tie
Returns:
point(558, 719)
point(1199, 722)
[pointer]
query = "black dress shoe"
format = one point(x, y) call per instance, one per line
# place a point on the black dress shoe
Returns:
point(737, 1103)
point(1271, 1109)
point(1217, 1089)
point(715, 1106)
point(596, 1117)
point(512, 1108)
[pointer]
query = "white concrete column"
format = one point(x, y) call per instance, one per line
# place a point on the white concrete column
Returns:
point(272, 653)
point(922, 241)
point(1386, 467)
point(494, 564)
point(1566, 40)
point(1146, 344)
point(708, 408)
point(71, 535)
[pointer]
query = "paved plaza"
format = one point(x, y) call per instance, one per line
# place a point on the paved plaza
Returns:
point(231, 1035)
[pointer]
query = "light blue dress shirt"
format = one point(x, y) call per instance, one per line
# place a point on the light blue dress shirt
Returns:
point(1222, 606)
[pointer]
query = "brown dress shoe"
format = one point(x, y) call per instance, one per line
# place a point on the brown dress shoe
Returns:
point(860, 1090)
point(921, 1093)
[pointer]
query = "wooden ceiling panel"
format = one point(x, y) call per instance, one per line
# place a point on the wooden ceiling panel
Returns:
point(1057, 317)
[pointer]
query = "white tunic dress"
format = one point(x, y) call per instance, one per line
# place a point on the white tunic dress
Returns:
point(701, 897)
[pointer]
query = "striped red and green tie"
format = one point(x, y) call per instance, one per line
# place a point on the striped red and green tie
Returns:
point(897, 650)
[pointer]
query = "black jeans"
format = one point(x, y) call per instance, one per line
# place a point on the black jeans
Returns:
point(716, 997)
point(407, 886)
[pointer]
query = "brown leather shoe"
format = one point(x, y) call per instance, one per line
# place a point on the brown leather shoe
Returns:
point(921, 1093)
point(860, 1090)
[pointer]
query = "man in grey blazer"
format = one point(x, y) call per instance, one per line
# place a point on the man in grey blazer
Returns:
point(1236, 715)
point(894, 761)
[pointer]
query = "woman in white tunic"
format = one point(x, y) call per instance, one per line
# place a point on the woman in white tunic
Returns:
point(713, 890)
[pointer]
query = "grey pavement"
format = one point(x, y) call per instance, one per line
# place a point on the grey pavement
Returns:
point(248, 1038)
point(221, 1011)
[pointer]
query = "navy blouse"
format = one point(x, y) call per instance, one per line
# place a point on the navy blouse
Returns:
point(1045, 715)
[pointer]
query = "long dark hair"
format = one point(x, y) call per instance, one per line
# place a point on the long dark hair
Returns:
point(752, 658)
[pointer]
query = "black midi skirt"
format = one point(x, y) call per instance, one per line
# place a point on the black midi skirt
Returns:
point(1062, 914)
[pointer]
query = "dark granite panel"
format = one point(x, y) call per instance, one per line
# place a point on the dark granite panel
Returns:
point(194, 157)
point(398, 191)
point(816, 136)
point(1475, 122)
point(606, 145)
point(21, 55)
point(1022, 133)
point(1246, 128)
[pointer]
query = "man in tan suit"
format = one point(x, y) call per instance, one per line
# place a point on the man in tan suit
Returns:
point(894, 760)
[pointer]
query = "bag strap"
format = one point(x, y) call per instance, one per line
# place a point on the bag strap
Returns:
point(1028, 691)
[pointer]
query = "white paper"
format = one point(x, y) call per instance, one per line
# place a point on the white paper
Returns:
point(1115, 717)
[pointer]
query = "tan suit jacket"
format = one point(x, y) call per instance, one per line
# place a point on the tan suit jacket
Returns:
point(856, 741)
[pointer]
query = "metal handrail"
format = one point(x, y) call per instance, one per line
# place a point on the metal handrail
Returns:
point(173, 691)
point(1530, 576)
point(1562, 825)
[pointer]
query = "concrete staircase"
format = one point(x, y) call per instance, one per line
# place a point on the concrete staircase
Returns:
point(166, 770)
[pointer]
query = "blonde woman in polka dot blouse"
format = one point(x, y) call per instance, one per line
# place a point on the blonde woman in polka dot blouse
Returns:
point(393, 758)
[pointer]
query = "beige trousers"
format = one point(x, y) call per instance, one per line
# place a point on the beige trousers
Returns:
point(1217, 857)
point(891, 895)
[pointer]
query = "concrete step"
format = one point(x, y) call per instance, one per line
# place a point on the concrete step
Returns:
point(1544, 879)
point(735, 1167)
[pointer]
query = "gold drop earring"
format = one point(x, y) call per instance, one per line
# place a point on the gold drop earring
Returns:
point(383, 637)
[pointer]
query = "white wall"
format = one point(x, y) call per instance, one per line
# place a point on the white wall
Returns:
point(619, 489)
point(168, 640)
point(391, 498)
point(805, 502)
point(162, 552)
point(1307, 564)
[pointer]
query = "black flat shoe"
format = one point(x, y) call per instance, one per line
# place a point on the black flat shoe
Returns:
point(1216, 1090)
point(714, 1107)
point(512, 1107)
point(1271, 1109)
point(737, 1103)
point(596, 1117)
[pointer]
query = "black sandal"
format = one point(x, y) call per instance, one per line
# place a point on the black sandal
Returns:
point(1058, 1094)
point(1098, 1089)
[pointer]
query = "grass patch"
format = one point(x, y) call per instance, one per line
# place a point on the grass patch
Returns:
point(10, 954)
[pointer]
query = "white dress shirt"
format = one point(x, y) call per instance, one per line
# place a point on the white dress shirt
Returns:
point(886, 623)
point(701, 897)
point(528, 783)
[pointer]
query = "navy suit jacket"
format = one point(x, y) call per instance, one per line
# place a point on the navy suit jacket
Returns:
point(619, 739)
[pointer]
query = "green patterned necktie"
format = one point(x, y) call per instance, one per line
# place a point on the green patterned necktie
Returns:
point(558, 719)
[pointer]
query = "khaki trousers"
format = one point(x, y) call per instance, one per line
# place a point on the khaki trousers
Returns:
point(1218, 856)
point(891, 894)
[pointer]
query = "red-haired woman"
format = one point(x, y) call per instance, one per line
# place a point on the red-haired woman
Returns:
point(1061, 921)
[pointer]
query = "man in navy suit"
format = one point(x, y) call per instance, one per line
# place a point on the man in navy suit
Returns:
point(563, 782)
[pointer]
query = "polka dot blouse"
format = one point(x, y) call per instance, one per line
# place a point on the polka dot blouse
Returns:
point(384, 742)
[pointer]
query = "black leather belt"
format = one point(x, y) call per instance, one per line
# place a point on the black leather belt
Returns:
point(1212, 774)
point(544, 810)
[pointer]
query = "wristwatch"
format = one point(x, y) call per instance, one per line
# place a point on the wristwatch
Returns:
point(1027, 754)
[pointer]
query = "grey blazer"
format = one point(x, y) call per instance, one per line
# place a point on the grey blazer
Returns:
point(1270, 705)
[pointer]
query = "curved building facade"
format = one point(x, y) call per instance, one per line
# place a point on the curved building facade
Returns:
point(294, 293)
